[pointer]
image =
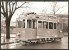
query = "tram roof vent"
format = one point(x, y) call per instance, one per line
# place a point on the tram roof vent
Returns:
point(31, 13)
point(37, 17)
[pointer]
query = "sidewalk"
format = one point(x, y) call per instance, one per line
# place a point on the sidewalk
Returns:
point(11, 35)
point(8, 41)
point(9, 44)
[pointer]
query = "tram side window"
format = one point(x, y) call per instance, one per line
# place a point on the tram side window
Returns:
point(46, 25)
point(34, 24)
point(28, 23)
point(19, 24)
point(39, 24)
point(54, 25)
point(59, 26)
point(23, 23)
point(50, 25)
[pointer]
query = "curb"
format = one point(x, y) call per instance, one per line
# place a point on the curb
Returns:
point(7, 43)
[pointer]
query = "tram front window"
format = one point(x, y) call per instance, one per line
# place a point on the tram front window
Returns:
point(54, 25)
point(28, 23)
point(50, 25)
point(23, 23)
point(19, 24)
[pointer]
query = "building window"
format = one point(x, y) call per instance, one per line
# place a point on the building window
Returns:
point(54, 25)
point(50, 25)
point(28, 23)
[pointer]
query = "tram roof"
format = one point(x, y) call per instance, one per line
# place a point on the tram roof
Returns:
point(35, 16)
point(38, 17)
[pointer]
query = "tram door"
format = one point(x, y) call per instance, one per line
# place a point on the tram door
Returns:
point(34, 23)
point(34, 27)
point(59, 29)
point(41, 28)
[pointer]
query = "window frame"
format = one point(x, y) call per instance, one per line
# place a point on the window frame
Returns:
point(55, 25)
point(50, 27)
point(23, 23)
point(19, 24)
point(40, 26)
point(29, 23)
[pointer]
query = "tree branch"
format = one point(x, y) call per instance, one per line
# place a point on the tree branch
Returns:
point(2, 6)
point(10, 11)
point(6, 8)
point(21, 5)
point(14, 6)
point(61, 7)
point(2, 13)
point(13, 11)
point(25, 7)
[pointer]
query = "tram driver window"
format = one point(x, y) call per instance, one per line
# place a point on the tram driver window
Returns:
point(19, 24)
point(28, 23)
point(50, 25)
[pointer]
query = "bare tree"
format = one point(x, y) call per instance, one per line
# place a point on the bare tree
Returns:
point(8, 9)
point(44, 11)
point(55, 7)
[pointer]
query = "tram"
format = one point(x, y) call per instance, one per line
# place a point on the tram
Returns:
point(38, 28)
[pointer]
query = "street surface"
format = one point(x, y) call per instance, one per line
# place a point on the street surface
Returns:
point(53, 45)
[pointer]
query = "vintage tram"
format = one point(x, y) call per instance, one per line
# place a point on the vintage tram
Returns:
point(34, 28)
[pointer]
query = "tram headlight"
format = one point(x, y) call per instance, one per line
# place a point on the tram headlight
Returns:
point(18, 35)
point(56, 36)
point(60, 30)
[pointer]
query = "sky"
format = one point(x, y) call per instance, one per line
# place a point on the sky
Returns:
point(37, 7)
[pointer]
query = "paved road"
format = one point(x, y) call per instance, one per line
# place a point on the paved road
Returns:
point(55, 45)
